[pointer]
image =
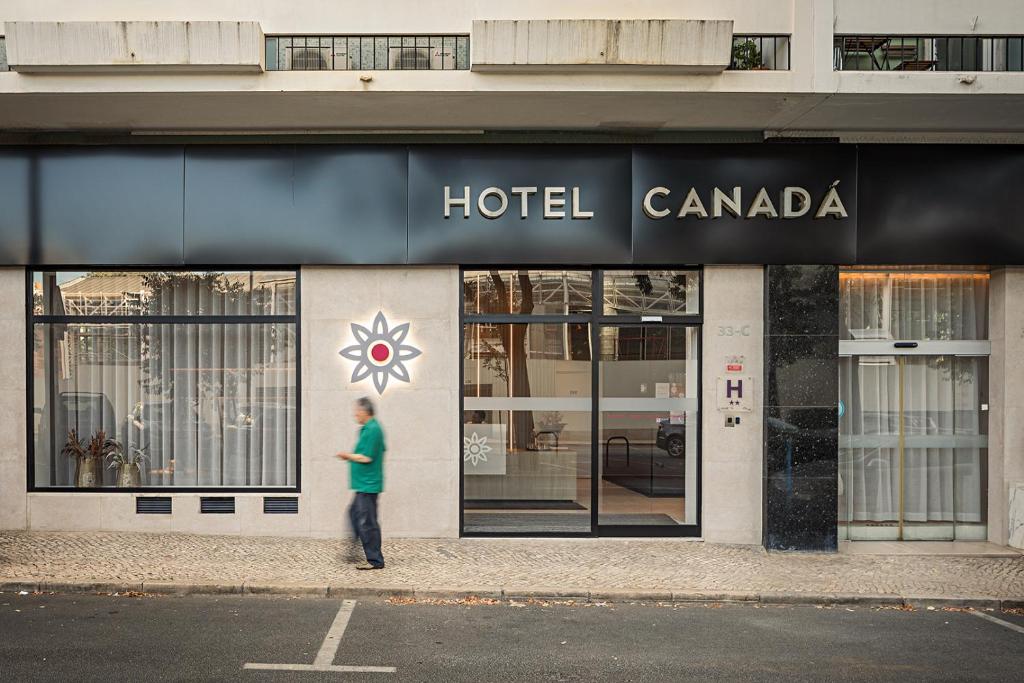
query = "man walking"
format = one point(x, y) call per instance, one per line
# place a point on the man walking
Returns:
point(366, 478)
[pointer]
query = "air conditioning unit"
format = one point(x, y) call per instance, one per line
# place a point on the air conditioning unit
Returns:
point(308, 59)
point(409, 58)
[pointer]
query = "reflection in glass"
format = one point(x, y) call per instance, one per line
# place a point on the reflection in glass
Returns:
point(526, 427)
point(651, 292)
point(527, 292)
point(648, 425)
point(133, 293)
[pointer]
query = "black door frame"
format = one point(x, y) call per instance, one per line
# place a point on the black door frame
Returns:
point(596, 320)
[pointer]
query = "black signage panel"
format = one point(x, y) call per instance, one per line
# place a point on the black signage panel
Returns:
point(492, 204)
point(767, 203)
point(304, 204)
point(16, 199)
point(941, 204)
point(107, 205)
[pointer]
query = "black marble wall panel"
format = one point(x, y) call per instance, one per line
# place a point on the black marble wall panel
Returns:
point(801, 423)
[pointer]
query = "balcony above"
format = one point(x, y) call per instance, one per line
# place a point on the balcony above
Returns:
point(134, 46)
point(595, 45)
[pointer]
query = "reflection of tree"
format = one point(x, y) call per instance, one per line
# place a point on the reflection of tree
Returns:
point(205, 348)
point(513, 339)
point(679, 286)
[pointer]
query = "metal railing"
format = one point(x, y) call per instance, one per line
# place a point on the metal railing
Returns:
point(367, 53)
point(760, 53)
point(928, 53)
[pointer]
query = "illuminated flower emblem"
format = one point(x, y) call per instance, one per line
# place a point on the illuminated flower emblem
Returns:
point(379, 352)
point(475, 449)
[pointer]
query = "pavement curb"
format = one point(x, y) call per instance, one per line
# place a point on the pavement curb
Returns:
point(510, 594)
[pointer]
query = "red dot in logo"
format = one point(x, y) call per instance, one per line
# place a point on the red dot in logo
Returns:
point(380, 352)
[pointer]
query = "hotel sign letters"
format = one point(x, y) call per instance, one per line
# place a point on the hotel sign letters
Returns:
point(639, 204)
point(555, 202)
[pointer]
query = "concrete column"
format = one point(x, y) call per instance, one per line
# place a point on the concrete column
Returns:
point(1006, 396)
point(731, 456)
point(13, 456)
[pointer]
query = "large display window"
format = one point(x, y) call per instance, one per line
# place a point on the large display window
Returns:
point(164, 380)
point(580, 419)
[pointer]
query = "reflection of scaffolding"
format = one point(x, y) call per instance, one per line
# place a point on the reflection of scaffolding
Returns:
point(567, 292)
point(665, 291)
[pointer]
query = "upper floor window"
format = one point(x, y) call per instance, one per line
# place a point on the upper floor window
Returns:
point(760, 53)
point(367, 53)
point(928, 53)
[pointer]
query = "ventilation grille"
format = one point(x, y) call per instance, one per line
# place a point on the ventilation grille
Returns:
point(153, 505)
point(225, 506)
point(280, 505)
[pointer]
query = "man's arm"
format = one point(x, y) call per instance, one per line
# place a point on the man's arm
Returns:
point(354, 457)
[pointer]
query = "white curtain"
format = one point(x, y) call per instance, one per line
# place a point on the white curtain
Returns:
point(944, 438)
point(210, 403)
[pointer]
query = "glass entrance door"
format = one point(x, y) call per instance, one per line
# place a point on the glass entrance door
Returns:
point(913, 446)
point(648, 419)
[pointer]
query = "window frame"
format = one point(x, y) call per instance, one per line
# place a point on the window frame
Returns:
point(31, 320)
point(597, 320)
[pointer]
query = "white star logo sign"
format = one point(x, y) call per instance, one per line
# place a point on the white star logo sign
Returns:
point(475, 449)
point(380, 353)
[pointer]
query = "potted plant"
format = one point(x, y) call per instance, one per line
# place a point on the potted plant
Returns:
point(129, 466)
point(89, 456)
point(746, 56)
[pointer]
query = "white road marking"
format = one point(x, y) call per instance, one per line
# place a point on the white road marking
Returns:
point(328, 650)
point(989, 617)
point(314, 667)
point(325, 657)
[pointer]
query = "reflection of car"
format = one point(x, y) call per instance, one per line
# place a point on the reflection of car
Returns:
point(671, 438)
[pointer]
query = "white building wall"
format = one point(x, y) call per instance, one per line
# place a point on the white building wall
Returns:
point(12, 399)
point(420, 419)
point(1006, 396)
point(733, 457)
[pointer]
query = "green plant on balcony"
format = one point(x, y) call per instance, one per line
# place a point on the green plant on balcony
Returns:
point(746, 56)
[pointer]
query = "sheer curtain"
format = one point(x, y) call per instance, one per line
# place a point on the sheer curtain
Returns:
point(942, 413)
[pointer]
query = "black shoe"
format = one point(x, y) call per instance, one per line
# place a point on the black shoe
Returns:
point(368, 567)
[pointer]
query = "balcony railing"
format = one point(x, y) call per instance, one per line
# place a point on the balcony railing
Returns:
point(760, 53)
point(928, 53)
point(367, 53)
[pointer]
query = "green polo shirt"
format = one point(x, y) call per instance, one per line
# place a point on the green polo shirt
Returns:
point(368, 477)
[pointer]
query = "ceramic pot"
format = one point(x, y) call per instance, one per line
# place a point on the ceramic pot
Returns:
point(87, 473)
point(128, 476)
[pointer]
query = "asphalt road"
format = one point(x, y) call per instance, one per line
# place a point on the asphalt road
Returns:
point(95, 637)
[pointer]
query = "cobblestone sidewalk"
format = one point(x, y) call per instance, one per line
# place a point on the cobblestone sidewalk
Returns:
point(585, 568)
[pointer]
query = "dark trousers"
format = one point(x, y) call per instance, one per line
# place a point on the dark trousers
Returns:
point(362, 514)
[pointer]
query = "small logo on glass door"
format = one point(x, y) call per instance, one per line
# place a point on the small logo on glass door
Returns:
point(475, 449)
point(379, 352)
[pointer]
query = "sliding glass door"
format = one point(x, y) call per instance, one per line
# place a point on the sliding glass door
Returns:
point(913, 446)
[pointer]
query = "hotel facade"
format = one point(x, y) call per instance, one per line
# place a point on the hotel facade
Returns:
point(745, 272)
